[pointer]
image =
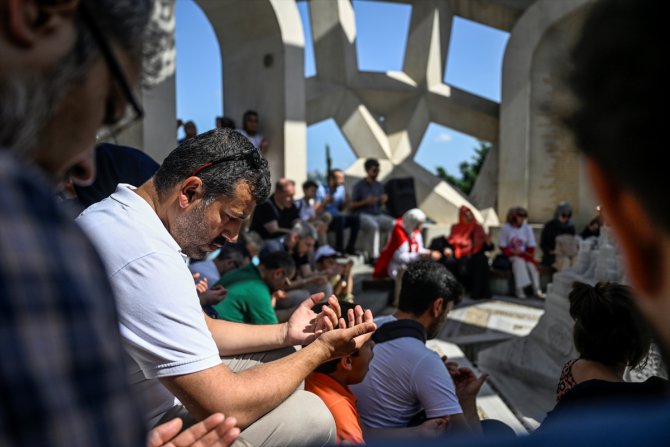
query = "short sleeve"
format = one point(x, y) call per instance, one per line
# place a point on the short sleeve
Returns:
point(419, 241)
point(263, 214)
point(161, 319)
point(434, 387)
point(288, 216)
point(320, 193)
point(356, 193)
point(503, 238)
point(530, 236)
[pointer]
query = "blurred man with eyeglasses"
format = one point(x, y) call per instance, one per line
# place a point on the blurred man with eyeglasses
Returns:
point(64, 79)
point(196, 202)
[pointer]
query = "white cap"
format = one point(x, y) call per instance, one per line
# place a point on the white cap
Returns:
point(323, 252)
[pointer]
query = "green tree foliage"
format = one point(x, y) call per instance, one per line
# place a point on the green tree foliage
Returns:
point(318, 176)
point(469, 170)
point(329, 161)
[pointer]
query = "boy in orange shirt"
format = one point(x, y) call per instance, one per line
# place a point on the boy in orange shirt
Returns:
point(331, 381)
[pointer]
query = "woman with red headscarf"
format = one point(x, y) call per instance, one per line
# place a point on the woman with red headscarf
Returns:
point(464, 253)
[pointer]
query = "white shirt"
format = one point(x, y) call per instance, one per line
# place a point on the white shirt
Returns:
point(161, 322)
point(207, 269)
point(404, 377)
point(403, 254)
point(256, 140)
point(516, 238)
point(307, 209)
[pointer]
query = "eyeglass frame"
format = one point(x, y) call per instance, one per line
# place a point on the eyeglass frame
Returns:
point(253, 155)
point(116, 71)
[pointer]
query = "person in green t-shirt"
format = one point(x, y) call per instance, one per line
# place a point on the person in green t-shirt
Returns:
point(250, 289)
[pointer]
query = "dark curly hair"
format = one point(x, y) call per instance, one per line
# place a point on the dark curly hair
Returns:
point(608, 325)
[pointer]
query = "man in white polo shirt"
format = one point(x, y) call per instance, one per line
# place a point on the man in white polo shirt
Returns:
point(196, 202)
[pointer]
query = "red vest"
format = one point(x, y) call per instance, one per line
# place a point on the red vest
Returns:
point(398, 237)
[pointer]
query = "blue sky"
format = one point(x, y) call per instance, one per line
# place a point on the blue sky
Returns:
point(474, 64)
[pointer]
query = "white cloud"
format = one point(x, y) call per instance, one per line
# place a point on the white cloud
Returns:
point(443, 137)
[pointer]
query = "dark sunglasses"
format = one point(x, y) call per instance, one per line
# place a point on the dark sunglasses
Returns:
point(136, 113)
point(252, 156)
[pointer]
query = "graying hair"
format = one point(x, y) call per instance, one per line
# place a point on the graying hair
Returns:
point(27, 103)
point(221, 179)
point(303, 230)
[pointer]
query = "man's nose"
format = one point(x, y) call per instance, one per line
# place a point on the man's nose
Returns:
point(231, 231)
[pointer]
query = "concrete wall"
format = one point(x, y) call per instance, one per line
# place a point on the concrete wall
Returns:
point(538, 165)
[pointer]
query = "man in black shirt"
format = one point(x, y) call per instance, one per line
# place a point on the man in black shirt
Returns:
point(276, 216)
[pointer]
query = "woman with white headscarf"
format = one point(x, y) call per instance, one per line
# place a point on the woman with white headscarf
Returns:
point(404, 246)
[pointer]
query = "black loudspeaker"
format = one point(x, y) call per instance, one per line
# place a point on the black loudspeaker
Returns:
point(401, 195)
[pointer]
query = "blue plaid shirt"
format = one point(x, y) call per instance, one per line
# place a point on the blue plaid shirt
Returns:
point(62, 376)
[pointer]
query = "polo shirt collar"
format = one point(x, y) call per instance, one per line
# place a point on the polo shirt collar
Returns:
point(125, 194)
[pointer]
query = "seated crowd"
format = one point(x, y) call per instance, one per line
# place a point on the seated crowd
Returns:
point(280, 277)
point(156, 317)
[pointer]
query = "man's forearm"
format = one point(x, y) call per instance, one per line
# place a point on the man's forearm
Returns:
point(239, 338)
point(471, 416)
point(264, 387)
point(247, 395)
point(357, 204)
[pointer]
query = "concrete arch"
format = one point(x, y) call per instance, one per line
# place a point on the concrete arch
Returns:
point(385, 115)
point(262, 53)
point(380, 114)
point(532, 146)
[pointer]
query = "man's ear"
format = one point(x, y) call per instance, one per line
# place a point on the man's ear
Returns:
point(346, 363)
point(639, 238)
point(438, 307)
point(278, 273)
point(28, 20)
point(190, 190)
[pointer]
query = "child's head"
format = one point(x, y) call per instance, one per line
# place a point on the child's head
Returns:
point(309, 189)
point(326, 263)
point(352, 368)
point(608, 326)
point(325, 258)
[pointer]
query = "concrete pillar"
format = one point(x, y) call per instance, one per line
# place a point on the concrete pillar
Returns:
point(262, 51)
point(334, 34)
point(160, 130)
point(537, 164)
